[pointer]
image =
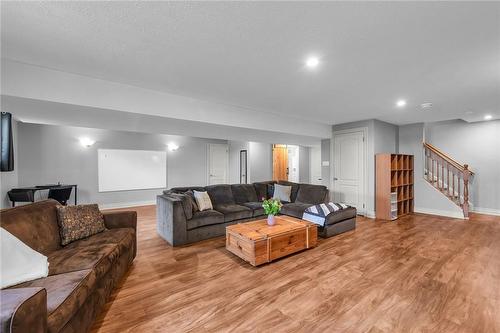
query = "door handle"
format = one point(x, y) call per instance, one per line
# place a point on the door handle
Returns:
point(335, 178)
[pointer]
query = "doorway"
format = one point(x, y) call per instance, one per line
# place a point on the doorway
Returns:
point(349, 168)
point(286, 162)
point(218, 164)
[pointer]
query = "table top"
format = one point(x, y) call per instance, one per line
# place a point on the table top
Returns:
point(42, 187)
point(259, 229)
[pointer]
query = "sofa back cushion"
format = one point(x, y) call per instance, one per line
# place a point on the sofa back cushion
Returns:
point(295, 189)
point(184, 189)
point(34, 224)
point(186, 201)
point(312, 194)
point(243, 193)
point(261, 189)
point(220, 194)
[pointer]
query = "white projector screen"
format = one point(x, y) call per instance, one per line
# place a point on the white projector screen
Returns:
point(122, 170)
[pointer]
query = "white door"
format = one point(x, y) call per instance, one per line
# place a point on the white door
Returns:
point(218, 164)
point(315, 165)
point(349, 169)
point(293, 163)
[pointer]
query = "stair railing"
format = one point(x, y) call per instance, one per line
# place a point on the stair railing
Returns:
point(448, 176)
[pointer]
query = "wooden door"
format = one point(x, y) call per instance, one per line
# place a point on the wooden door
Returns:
point(280, 162)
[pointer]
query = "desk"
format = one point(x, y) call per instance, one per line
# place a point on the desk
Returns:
point(33, 189)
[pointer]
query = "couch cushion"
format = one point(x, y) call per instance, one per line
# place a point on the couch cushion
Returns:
point(294, 209)
point(185, 189)
point(244, 193)
point(234, 212)
point(256, 207)
point(312, 194)
point(78, 222)
point(98, 252)
point(220, 194)
point(186, 202)
point(66, 293)
point(34, 224)
point(295, 188)
point(204, 218)
point(261, 189)
point(341, 215)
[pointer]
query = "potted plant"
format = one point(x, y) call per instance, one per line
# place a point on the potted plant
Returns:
point(271, 207)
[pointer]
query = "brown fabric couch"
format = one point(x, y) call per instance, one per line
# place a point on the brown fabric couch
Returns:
point(178, 224)
point(81, 277)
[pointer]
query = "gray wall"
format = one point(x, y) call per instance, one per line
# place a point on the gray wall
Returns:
point(325, 157)
point(234, 160)
point(261, 161)
point(304, 164)
point(10, 179)
point(478, 145)
point(51, 154)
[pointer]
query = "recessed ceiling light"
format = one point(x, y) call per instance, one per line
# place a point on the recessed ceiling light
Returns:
point(312, 62)
point(488, 117)
point(400, 103)
point(426, 105)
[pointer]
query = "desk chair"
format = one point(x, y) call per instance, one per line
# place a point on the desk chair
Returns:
point(61, 194)
point(21, 196)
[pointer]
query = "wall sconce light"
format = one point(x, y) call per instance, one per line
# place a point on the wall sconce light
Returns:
point(172, 146)
point(86, 142)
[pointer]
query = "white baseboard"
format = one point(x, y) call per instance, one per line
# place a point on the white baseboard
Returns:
point(487, 211)
point(127, 204)
point(456, 215)
point(370, 214)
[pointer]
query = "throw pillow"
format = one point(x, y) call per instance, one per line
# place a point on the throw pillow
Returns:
point(20, 263)
point(190, 194)
point(77, 222)
point(282, 193)
point(203, 200)
point(270, 191)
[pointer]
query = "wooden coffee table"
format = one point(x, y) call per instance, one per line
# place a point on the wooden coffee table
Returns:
point(259, 243)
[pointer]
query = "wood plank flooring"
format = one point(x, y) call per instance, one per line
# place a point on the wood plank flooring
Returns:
point(420, 274)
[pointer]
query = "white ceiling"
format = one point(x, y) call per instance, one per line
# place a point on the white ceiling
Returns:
point(251, 53)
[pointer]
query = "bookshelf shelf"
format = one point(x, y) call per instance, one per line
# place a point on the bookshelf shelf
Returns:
point(394, 185)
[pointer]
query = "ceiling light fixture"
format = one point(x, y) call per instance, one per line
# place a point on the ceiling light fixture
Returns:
point(400, 103)
point(86, 142)
point(312, 62)
point(426, 105)
point(172, 146)
point(488, 117)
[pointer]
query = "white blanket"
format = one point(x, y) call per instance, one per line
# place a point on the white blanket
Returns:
point(20, 263)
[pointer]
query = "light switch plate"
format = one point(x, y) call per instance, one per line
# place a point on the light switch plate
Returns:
point(325, 163)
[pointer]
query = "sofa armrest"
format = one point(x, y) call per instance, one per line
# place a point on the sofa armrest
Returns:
point(24, 310)
point(171, 220)
point(124, 219)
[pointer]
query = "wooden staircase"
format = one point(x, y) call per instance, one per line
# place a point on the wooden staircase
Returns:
point(447, 176)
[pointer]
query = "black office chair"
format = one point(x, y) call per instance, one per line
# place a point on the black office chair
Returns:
point(20, 196)
point(61, 194)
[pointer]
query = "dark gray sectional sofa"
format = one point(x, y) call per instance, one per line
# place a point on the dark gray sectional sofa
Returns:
point(179, 224)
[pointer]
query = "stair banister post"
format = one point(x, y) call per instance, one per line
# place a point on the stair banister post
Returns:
point(466, 175)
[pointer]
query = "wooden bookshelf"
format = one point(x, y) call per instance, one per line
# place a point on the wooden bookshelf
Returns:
point(394, 185)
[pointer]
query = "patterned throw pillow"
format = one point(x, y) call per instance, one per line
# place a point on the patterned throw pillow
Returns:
point(203, 200)
point(77, 222)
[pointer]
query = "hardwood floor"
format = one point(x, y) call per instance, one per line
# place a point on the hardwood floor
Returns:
point(420, 274)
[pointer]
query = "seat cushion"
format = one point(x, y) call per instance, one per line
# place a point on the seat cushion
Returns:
point(311, 194)
point(256, 207)
point(234, 212)
point(340, 215)
point(294, 209)
point(220, 194)
point(98, 252)
point(66, 294)
point(244, 193)
point(204, 218)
